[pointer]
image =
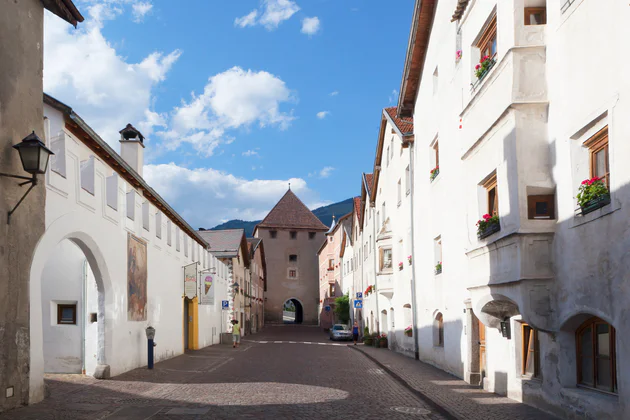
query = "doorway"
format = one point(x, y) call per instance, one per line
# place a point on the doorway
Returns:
point(292, 312)
point(482, 350)
point(187, 322)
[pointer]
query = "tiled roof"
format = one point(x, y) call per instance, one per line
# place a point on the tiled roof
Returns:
point(252, 244)
point(357, 205)
point(291, 213)
point(369, 178)
point(405, 125)
point(223, 242)
point(460, 9)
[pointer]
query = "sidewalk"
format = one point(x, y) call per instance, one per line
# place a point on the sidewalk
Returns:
point(458, 398)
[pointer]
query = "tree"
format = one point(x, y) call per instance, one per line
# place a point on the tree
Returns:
point(342, 309)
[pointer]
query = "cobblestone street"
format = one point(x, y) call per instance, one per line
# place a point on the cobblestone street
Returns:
point(280, 373)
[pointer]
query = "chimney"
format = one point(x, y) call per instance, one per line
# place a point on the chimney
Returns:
point(132, 147)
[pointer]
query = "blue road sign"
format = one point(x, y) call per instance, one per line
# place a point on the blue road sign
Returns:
point(359, 295)
point(358, 304)
point(327, 308)
point(225, 304)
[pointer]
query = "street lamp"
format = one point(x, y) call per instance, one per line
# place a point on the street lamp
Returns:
point(150, 331)
point(34, 156)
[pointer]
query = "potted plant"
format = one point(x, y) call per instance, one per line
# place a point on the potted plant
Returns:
point(409, 331)
point(367, 337)
point(376, 340)
point(485, 64)
point(400, 266)
point(592, 195)
point(438, 267)
point(434, 173)
point(382, 341)
point(487, 226)
point(409, 259)
point(458, 56)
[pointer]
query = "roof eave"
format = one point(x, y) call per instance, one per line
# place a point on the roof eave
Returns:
point(65, 9)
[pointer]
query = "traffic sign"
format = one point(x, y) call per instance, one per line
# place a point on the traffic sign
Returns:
point(359, 295)
point(358, 304)
point(327, 308)
point(225, 304)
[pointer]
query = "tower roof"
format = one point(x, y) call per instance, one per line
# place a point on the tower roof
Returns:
point(291, 213)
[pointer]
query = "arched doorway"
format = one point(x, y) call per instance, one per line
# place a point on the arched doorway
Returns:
point(82, 314)
point(292, 312)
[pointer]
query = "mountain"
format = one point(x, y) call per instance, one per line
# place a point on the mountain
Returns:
point(325, 214)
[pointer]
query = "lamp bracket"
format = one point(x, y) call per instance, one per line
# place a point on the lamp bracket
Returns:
point(32, 181)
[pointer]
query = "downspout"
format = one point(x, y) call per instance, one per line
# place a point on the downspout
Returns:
point(416, 346)
point(378, 313)
point(84, 314)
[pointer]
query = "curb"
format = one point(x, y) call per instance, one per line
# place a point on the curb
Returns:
point(428, 400)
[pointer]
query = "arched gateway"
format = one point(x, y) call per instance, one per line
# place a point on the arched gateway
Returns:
point(292, 312)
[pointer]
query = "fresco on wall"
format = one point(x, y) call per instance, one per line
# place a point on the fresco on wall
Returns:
point(136, 279)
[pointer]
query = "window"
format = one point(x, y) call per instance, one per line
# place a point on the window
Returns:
point(158, 225)
point(598, 151)
point(493, 199)
point(535, 16)
point(331, 290)
point(67, 314)
point(385, 257)
point(387, 156)
point(437, 246)
point(292, 273)
point(378, 219)
point(370, 245)
point(185, 245)
point(293, 234)
point(311, 235)
point(331, 264)
point(487, 43)
point(273, 234)
point(145, 215)
point(391, 145)
point(383, 211)
point(530, 360)
point(399, 186)
point(596, 364)
point(541, 207)
point(177, 239)
point(439, 330)
point(332, 239)
point(292, 258)
point(169, 232)
point(435, 81)
point(407, 180)
point(566, 5)
point(436, 155)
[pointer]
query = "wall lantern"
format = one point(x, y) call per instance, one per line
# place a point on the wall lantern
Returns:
point(150, 333)
point(505, 329)
point(34, 156)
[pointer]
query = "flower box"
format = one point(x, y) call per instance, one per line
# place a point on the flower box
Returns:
point(409, 331)
point(434, 173)
point(438, 268)
point(487, 226)
point(400, 266)
point(595, 204)
point(409, 259)
point(482, 69)
point(592, 195)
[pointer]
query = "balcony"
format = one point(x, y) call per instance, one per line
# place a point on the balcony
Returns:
point(386, 285)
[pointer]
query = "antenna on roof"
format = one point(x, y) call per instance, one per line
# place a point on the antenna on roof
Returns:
point(289, 185)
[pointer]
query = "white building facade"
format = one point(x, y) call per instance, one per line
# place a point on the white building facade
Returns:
point(533, 306)
point(111, 262)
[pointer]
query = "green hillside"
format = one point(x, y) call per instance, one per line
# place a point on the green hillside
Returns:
point(325, 214)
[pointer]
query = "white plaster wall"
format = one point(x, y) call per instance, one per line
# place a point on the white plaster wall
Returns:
point(101, 231)
point(212, 319)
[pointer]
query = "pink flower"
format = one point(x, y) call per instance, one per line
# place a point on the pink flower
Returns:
point(477, 67)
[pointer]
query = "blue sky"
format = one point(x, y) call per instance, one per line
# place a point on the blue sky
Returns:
point(237, 98)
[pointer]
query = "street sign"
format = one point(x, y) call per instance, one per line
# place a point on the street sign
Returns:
point(225, 305)
point(359, 295)
point(358, 304)
point(327, 308)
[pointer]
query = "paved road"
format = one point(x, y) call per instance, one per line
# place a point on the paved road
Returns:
point(281, 373)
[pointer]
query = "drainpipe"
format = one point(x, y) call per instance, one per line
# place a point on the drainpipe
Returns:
point(416, 347)
point(378, 313)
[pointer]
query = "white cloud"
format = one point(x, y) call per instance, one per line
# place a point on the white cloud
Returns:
point(221, 195)
point(272, 14)
point(323, 114)
point(310, 26)
point(83, 69)
point(140, 9)
point(393, 97)
point(335, 93)
point(324, 173)
point(247, 20)
point(250, 153)
point(233, 99)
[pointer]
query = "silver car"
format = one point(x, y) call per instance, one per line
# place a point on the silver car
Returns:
point(340, 332)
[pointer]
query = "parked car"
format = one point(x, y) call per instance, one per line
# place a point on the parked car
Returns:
point(340, 332)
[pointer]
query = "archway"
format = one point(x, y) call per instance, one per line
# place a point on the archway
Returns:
point(91, 314)
point(292, 311)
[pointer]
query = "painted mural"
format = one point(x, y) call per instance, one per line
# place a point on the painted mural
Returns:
point(136, 279)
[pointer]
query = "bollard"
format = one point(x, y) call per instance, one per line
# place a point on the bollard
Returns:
point(150, 345)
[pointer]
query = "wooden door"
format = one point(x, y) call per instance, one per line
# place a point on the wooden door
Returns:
point(482, 349)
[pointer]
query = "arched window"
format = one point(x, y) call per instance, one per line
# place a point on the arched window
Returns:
point(407, 316)
point(438, 327)
point(596, 353)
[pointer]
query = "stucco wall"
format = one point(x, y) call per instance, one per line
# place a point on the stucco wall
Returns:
point(21, 61)
point(280, 287)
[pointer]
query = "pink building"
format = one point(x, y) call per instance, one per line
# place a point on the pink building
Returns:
point(331, 271)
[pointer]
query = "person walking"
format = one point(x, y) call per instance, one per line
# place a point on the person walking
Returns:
point(355, 332)
point(236, 334)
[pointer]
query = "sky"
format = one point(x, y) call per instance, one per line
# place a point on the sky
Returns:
point(236, 98)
